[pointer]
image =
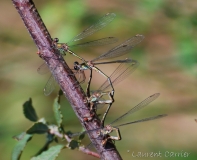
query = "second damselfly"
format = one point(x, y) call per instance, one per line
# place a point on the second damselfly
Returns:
point(65, 47)
point(95, 98)
point(118, 51)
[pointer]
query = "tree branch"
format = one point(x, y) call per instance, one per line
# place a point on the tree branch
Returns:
point(62, 74)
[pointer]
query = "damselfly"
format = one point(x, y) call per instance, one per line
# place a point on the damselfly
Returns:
point(104, 132)
point(64, 47)
point(115, 52)
point(95, 98)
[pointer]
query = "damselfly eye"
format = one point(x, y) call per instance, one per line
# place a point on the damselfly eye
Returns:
point(76, 63)
point(56, 40)
point(76, 68)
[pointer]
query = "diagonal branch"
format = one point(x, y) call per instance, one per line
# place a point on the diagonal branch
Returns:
point(62, 74)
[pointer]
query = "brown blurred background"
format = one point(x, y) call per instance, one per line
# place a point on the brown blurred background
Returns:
point(168, 65)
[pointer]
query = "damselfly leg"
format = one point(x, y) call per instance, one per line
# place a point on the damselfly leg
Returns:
point(105, 131)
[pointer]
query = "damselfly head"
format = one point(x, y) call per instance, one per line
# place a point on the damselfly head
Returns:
point(76, 66)
point(76, 63)
point(56, 40)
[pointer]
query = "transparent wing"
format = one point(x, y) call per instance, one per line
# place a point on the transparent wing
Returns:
point(127, 60)
point(50, 86)
point(100, 105)
point(80, 76)
point(121, 72)
point(137, 121)
point(43, 69)
point(143, 120)
point(121, 49)
point(138, 107)
point(99, 42)
point(102, 22)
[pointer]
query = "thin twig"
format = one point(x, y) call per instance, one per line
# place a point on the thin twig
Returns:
point(54, 131)
point(62, 73)
point(87, 151)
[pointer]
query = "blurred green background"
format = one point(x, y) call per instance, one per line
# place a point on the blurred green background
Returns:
point(168, 65)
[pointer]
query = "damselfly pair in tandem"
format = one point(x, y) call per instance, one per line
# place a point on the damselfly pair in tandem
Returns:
point(79, 68)
point(91, 65)
point(126, 67)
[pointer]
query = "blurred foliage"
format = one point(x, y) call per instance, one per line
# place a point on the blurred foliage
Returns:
point(167, 59)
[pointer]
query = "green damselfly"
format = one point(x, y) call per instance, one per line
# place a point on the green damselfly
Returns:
point(95, 98)
point(65, 47)
point(115, 52)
